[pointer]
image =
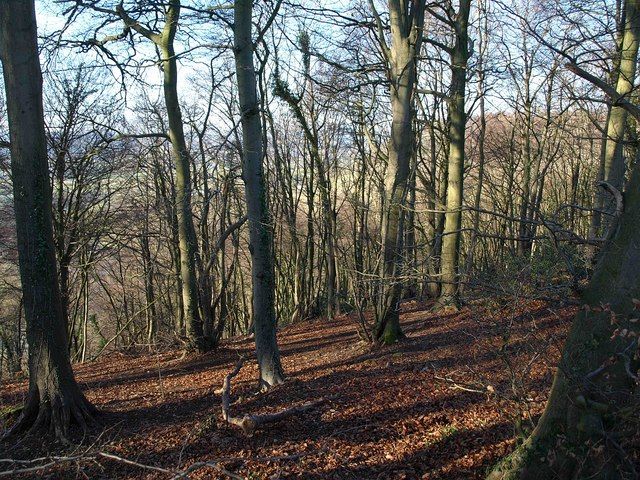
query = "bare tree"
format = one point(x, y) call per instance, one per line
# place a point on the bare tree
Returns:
point(54, 399)
point(263, 276)
point(459, 53)
point(401, 57)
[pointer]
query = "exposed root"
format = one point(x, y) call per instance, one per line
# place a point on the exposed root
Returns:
point(54, 415)
point(266, 386)
point(388, 330)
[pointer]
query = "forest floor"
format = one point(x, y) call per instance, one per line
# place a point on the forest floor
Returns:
point(447, 402)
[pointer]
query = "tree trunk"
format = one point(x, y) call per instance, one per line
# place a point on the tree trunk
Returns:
point(262, 270)
point(148, 272)
point(186, 227)
point(410, 270)
point(613, 162)
point(453, 217)
point(593, 388)
point(187, 238)
point(54, 398)
point(482, 133)
point(402, 59)
point(86, 261)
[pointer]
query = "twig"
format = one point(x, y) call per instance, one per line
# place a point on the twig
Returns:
point(467, 387)
point(126, 461)
point(49, 462)
point(36, 465)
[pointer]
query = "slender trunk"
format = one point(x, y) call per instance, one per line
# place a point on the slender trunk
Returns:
point(85, 306)
point(65, 297)
point(148, 271)
point(481, 142)
point(524, 243)
point(186, 228)
point(329, 237)
point(596, 220)
point(476, 219)
point(410, 264)
point(320, 165)
point(449, 294)
point(262, 271)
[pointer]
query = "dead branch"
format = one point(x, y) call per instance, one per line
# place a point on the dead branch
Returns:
point(456, 385)
point(43, 463)
point(249, 423)
point(35, 465)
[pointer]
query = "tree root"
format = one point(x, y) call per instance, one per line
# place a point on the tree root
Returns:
point(249, 423)
point(55, 414)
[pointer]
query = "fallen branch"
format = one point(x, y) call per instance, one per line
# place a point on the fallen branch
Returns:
point(39, 464)
point(456, 385)
point(35, 465)
point(249, 423)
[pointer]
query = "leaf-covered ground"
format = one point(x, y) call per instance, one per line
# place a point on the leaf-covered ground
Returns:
point(445, 403)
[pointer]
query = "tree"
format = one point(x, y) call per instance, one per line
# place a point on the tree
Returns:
point(457, 128)
point(593, 400)
point(483, 30)
point(318, 162)
point(262, 271)
point(83, 168)
point(54, 398)
point(163, 40)
point(612, 164)
point(406, 22)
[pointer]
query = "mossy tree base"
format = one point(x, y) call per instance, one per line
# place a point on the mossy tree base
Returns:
point(448, 304)
point(388, 330)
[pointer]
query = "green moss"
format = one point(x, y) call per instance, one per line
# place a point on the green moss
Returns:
point(10, 411)
point(510, 467)
point(392, 333)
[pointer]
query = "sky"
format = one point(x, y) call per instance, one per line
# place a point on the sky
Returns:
point(498, 98)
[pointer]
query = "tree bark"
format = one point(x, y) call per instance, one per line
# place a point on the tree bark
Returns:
point(54, 400)
point(449, 293)
point(406, 36)
point(262, 270)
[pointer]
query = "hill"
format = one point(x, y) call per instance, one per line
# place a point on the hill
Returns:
point(446, 402)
